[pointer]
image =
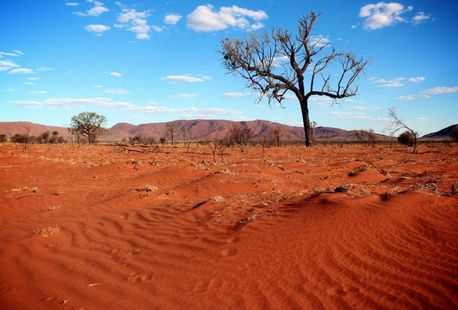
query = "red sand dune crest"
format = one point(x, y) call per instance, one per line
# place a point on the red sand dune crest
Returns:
point(93, 227)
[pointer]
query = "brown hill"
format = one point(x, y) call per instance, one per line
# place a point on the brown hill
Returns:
point(198, 129)
point(12, 128)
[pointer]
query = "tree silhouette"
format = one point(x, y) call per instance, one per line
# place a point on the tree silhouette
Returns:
point(275, 65)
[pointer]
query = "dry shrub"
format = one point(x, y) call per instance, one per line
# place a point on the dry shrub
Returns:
point(406, 138)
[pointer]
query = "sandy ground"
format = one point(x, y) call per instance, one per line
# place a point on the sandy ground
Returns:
point(95, 227)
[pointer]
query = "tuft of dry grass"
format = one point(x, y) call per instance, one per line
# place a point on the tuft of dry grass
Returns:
point(46, 231)
point(148, 188)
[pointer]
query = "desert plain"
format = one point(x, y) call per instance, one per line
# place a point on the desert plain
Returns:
point(351, 227)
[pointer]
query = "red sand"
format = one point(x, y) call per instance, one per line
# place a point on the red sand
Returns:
point(94, 227)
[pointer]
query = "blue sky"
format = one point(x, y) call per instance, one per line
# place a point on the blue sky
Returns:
point(151, 61)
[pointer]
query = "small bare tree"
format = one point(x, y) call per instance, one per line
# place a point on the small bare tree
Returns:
point(366, 136)
point(218, 146)
point(171, 131)
point(187, 137)
point(398, 124)
point(276, 135)
point(240, 135)
point(275, 65)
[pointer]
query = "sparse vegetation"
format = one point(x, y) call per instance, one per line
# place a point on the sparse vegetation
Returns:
point(171, 131)
point(366, 136)
point(409, 138)
point(240, 135)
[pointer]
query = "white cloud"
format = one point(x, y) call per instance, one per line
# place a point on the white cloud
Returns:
point(6, 65)
point(134, 21)
point(21, 71)
point(382, 14)
point(34, 78)
point(117, 91)
point(157, 28)
point(44, 69)
point(72, 4)
point(406, 98)
point(98, 86)
point(29, 83)
point(98, 30)
point(185, 96)
point(39, 92)
point(114, 74)
point(103, 102)
point(172, 19)
point(319, 40)
point(350, 115)
point(396, 82)
point(234, 94)
point(15, 53)
point(77, 102)
point(435, 91)
point(362, 108)
point(417, 79)
point(439, 91)
point(420, 17)
point(97, 11)
point(185, 78)
point(205, 19)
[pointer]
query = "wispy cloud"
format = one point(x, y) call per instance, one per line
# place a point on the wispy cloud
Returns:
point(20, 71)
point(15, 53)
point(417, 79)
point(136, 22)
point(76, 102)
point(234, 94)
point(435, 91)
point(117, 91)
point(406, 98)
point(6, 65)
point(319, 40)
point(97, 29)
point(172, 19)
point(206, 19)
point(44, 69)
point(420, 18)
point(39, 92)
point(185, 96)
point(72, 4)
point(103, 102)
point(114, 74)
point(33, 78)
point(97, 10)
point(440, 90)
point(185, 78)
point(383, 14)
point(395, 82)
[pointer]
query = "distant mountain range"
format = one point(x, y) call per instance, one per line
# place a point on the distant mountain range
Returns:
point(441, 134)
point(206, 129)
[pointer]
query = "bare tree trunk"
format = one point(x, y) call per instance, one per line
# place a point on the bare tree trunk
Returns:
point(306, 120)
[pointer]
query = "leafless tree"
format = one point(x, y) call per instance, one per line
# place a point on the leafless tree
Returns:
point(218, 146)
point(276, 135)
point(366, 136)
point(398, 124)
point(187, 137)
point(240, 135)
point(171, 131)
point(276, 65)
